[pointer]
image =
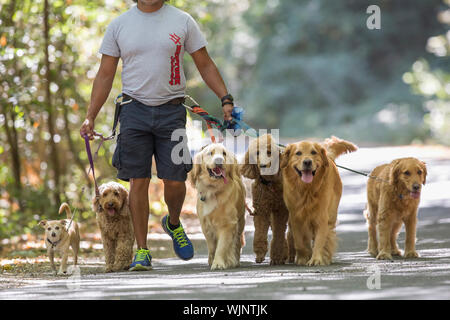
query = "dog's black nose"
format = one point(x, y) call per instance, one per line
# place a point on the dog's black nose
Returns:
point(416, 186)
point(307, 163)
point(53, 234)
point(110, 204)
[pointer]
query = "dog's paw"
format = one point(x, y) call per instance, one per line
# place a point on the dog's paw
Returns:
point(120, 267)
point(373, 253)
point(218, 266)
point(301, 261)
point(317, 261)
point(384, 256)
point(411, 254)
point(259, 259)
point(372, 249)
point(277, 261)
point(396, 252)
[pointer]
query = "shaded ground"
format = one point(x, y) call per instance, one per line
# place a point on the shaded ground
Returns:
point(347, 278)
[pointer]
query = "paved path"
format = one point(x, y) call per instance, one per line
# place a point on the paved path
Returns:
point(347, 278)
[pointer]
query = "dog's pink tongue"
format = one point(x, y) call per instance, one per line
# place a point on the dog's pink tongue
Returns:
point(307, 176)
point(222, 173)
point(111, 211)
point(219, 171)
point(415, 195)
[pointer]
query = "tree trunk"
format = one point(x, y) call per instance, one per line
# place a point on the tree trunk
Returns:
point(54, 156)
point(11, 135)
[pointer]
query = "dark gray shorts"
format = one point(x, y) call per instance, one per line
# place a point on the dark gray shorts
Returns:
point(146, 131)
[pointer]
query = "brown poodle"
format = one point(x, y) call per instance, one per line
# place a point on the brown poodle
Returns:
point(261, 164)
point(114, 221)
point(393, 200)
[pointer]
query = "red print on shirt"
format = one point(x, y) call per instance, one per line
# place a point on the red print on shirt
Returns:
point(175, 78)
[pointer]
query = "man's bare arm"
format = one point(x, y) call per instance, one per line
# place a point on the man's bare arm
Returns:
point(211, 75)
point(100, 90)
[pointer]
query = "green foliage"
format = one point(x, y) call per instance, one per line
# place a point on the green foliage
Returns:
point(320, 70)
point(433, 82)
point(310, 68)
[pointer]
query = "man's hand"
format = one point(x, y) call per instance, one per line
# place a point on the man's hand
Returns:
point(87, 128)
point(227, 110)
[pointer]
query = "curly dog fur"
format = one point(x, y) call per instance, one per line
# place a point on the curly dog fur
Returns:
point(114, 221)
point(267, 192)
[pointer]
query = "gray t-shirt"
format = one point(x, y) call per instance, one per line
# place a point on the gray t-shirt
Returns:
point(152, 47)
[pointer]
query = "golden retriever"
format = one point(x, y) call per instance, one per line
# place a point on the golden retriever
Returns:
point(220, 204)
point(312, 189)
point(262, 164)
point(393, 199)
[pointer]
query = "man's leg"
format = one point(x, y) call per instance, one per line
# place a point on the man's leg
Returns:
point(139, 208)
point(169, 135)
point(174, 194)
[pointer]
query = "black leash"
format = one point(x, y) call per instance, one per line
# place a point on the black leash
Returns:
point(361, 173)
point(351, 170)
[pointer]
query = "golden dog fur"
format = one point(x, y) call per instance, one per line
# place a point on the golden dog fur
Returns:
point(312, 189)
point(114, 221)
point(267, 193)
point(59, 239)
point(393, 199)
point(220, 204)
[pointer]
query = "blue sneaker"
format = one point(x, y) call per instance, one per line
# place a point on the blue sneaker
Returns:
point(142, 261)
point(181, 243)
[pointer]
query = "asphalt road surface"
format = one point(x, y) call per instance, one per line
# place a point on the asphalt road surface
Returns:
point(353, 274)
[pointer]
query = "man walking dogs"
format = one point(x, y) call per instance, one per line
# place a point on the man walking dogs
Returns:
point(151, 39)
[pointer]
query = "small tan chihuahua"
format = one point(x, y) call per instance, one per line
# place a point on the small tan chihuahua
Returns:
point(59, 238)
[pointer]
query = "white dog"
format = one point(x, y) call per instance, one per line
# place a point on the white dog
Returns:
point(220, 204)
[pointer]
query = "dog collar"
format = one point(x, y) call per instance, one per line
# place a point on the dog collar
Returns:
point(264, 181)
point(54, 244)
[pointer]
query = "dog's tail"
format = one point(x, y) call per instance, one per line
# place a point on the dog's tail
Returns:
point(336, 147)
point(65, 207)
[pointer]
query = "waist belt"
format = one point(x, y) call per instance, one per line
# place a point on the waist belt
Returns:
point(179, 100)
point(126, 99)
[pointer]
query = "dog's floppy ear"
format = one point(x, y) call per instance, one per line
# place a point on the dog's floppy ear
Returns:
point(393, 173)
point(43, 223)
point(423, 166)
point(96, 204)
point(196, 168)
point(285, 156)
point(235, 172)
point(323, 155)
point(123, 193)
point(249, 170)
